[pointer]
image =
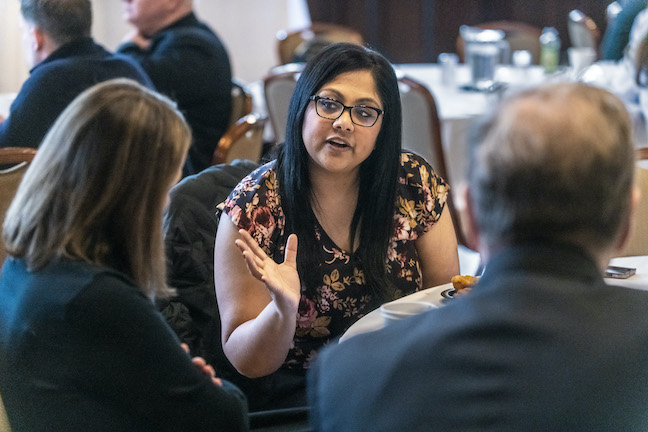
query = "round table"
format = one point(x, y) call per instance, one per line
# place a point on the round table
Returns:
point(440, 294)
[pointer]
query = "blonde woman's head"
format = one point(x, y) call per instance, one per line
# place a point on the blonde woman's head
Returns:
point(98, 186)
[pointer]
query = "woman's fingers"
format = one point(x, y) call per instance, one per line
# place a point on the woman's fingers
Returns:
point(252, 244)
point(290, 256)
point(281, 280)
point(251, 262)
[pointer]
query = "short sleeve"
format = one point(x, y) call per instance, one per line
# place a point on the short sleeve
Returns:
point(255, 206)
point(421, 197)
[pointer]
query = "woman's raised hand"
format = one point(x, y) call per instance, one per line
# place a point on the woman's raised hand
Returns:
point(282, 280)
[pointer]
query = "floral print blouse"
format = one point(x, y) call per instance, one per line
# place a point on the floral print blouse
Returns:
point(341, 298)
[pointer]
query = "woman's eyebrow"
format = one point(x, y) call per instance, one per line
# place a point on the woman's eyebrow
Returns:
point(369, 101)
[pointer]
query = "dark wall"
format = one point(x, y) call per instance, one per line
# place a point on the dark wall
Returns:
point(417, 31)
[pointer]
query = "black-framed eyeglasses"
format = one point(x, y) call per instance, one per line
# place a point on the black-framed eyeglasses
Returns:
point(331, 109)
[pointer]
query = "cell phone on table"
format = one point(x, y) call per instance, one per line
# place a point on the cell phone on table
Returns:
point(619, 272)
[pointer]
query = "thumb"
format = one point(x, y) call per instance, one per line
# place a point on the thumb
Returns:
point(290, 255)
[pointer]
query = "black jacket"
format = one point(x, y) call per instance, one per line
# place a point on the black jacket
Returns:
point(55, 82)
point(188, 62)
point(190, 225)
point(190, 231)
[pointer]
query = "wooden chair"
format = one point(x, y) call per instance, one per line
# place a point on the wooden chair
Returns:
point(16, 155)
point(422, 134)
point(519, 35)
point(241, 102)
point(278, 87)
point(243, 140)
point(14, 162)
point(638, 242)
point(583, 31)
point(299, 45)
point(4, 421)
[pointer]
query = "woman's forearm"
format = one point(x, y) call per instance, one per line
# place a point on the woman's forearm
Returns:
point(259, 346)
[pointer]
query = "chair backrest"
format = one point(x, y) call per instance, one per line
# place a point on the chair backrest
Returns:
point(612, 11)
point(519, 35)
point(243, 140)
point(278, 87)
point(301, 44)
point(422, 134)
point(13, 164)
point(16, 155)
point(583, 31)
point(190, 225)
point(241, 102)
point(638, 241)
point(4, 421)
point(421, 124)
point(10, 179)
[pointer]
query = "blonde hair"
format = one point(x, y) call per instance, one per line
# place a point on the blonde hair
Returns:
point(97, 187)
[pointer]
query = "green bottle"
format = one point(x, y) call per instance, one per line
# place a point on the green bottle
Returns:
point(550, 49)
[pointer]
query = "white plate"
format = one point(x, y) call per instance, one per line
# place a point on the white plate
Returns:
point(374, 321)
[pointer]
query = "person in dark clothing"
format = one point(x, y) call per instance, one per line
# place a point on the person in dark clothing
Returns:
point(65, 61)
point(188, 63)
point(190, 224)
point(82, 345)
point(617, 35)
point(541, 342)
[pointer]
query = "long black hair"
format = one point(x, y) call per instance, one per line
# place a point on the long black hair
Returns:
point(378, 173)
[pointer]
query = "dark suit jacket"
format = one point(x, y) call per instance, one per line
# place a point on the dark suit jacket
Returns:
point(188, 63)
point(55, 82)
point(190, 225)
point(540, 344)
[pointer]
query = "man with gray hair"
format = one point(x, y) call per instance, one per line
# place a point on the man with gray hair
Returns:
point(541, 343)
point(187, 62)
point(65, 61)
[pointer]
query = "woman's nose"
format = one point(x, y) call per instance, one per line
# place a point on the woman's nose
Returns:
point(344, 121)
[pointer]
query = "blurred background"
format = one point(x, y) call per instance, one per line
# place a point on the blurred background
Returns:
point(405, 31)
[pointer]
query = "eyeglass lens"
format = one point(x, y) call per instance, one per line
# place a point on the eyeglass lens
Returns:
point(332, 110)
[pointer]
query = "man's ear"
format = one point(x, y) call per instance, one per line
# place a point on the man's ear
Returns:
point(467, 217)
point(628, 224)
point(38, 39)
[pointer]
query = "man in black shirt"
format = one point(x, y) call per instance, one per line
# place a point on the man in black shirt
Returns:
point(187, 62)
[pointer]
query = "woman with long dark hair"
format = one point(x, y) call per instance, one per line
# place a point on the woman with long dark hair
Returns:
point(371, 220)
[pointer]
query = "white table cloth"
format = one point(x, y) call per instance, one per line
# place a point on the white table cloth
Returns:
point(374, 321)
point(460, 109)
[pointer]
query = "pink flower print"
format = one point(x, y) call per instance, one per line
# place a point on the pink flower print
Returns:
point(337, 254)
point(306, 313)
point(401, 228)
point(235, 214)
point(262, 221)
point(392, 255)
point(308, 323)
